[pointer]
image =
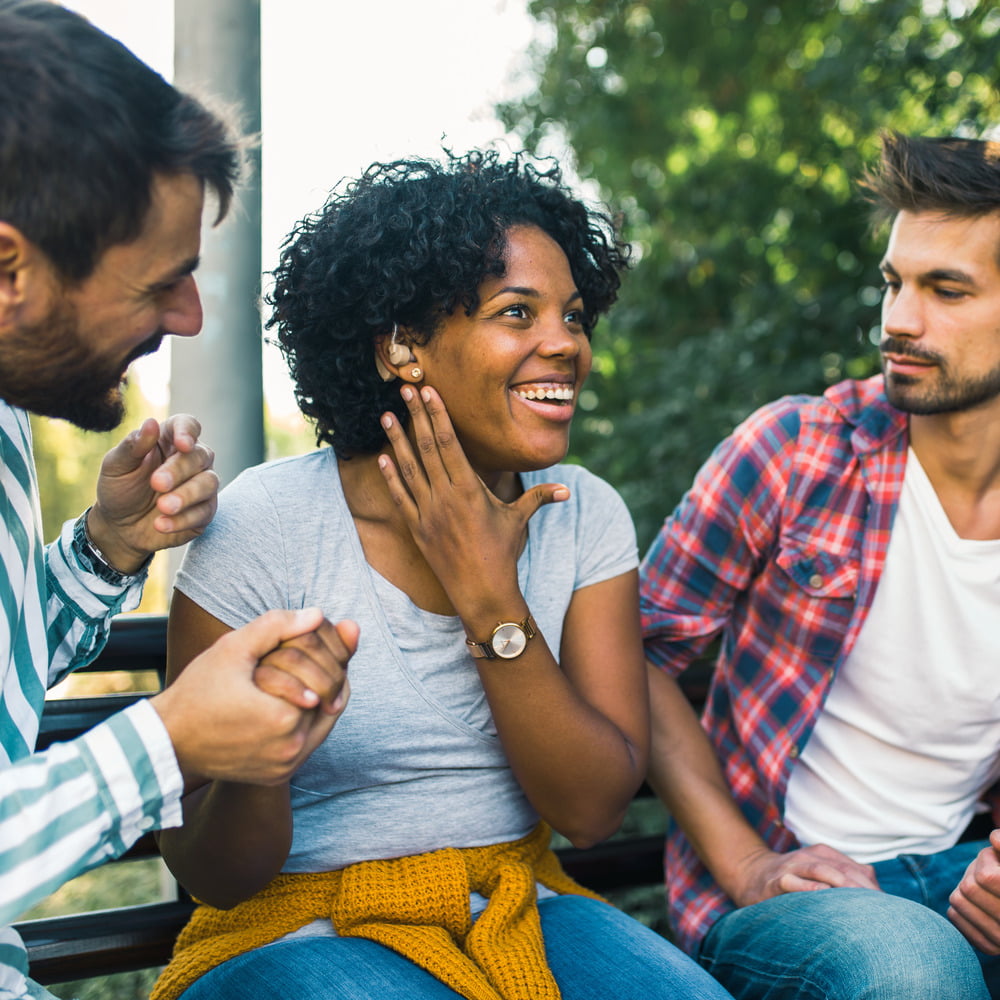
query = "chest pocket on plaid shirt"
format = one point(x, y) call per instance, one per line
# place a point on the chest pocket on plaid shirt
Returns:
point(820, 574)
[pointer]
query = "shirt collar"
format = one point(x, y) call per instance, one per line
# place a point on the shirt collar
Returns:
point(863, 405)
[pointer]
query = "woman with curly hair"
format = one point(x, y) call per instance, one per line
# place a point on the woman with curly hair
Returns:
point(437, 320)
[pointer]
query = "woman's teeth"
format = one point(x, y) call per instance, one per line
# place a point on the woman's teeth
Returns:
point(562, 393)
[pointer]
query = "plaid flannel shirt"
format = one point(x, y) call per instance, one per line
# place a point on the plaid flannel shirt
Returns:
point(778, 547)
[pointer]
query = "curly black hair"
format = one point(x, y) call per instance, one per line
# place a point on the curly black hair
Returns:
point(408, 243)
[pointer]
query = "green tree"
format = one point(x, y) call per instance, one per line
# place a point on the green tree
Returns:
point(730, 133)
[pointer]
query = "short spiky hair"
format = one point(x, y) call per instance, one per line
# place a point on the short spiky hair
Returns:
point(408, 243)
point(959, 177)
point(85, 129)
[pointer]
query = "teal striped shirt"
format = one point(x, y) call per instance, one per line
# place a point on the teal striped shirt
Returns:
point(77, 804)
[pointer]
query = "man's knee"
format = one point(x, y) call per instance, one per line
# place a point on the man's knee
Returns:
point(841, 944)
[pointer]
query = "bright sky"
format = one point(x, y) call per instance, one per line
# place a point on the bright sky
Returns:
point(345, 84)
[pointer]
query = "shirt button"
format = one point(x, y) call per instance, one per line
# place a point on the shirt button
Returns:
point(816, 581)
point(793, 753)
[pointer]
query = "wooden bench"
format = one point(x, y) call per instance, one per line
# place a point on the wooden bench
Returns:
point(103, 942)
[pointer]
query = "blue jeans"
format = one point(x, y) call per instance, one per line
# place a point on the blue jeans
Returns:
point(856, 944)
point(595, 953)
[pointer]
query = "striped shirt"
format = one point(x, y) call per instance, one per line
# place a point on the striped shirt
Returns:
point(79, 803)
point(778, 548)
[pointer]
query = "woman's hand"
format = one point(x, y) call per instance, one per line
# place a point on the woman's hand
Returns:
point(470, 538)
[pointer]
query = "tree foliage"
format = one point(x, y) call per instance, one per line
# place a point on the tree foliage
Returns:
point(730, 134)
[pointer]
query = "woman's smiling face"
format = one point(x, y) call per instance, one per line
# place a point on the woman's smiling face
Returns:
point(510, 373)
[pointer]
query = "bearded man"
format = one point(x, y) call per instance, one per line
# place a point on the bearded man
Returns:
point(104, 169)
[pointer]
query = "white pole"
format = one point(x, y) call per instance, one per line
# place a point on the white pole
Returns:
point(218, 375)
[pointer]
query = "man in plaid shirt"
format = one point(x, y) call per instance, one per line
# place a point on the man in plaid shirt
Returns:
point(846, 550)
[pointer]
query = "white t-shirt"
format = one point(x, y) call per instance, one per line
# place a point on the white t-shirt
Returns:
point(909, 736)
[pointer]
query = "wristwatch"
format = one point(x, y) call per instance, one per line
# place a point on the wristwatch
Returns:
point(509, 640)
point(93, 558)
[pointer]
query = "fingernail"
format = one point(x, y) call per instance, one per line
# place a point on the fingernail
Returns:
point(386, 421)
point(406, 392)
point(310, 697)
point(425, 394)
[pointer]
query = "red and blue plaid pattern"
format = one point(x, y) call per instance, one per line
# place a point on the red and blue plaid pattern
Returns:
point(778, 548)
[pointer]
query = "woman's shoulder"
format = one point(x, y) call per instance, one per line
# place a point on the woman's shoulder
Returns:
point(296, 474)
point(594, 505)
point(594, 522)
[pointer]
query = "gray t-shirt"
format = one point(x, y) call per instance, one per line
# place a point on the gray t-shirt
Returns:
point(414, 763)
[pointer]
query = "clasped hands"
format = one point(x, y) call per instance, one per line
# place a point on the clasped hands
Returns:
point(158, 489)
point(975, 904)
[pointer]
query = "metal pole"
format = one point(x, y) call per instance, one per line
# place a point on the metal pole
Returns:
point(218, 375)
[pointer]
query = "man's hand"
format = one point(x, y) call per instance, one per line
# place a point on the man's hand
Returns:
point(975, 903)
point(767, 873)
point(156, 489)
point(224, 727)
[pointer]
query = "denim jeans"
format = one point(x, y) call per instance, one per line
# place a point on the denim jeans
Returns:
point(856, 944)
point(595, 953)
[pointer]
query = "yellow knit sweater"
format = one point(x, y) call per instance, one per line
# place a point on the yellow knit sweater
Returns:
point(418, 906)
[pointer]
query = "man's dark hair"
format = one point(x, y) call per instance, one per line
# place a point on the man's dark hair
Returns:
point(84, 130)
point(408, 243)
point(957, 177)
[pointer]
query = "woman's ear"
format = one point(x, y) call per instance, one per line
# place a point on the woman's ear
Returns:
point(392, 355)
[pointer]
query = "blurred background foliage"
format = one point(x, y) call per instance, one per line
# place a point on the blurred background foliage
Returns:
point(730, 135)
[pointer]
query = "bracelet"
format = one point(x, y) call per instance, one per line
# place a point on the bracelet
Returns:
point(93, 558)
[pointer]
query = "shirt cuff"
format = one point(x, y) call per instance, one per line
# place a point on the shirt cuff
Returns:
point(86, 588)
point(140, 778)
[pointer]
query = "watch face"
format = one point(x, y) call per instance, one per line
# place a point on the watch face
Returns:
point(509, 641)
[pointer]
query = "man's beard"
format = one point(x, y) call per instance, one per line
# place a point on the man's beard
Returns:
point(47, 369)
point(947, 394)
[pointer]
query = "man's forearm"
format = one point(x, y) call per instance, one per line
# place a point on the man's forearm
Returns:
point(685, 773)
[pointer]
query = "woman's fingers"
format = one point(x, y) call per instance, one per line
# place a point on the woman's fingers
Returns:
point(407, 474)
point(434, 459)
point(449, 449)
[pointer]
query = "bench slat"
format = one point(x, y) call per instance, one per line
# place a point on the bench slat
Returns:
point(103, 942)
